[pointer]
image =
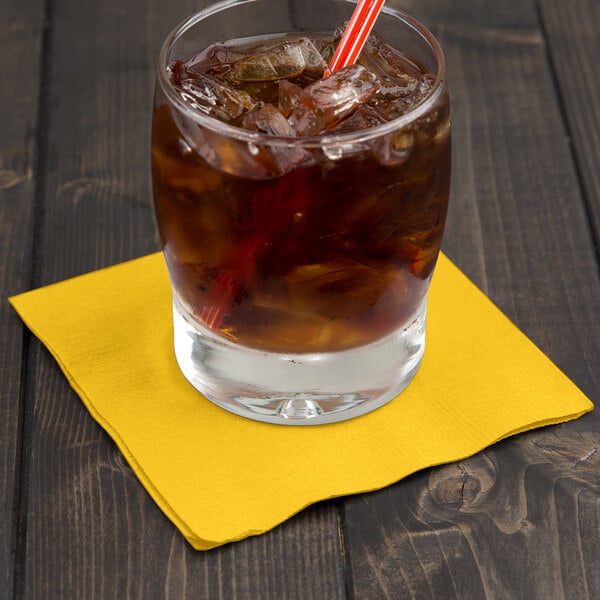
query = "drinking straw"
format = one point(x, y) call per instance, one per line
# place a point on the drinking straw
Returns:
point(356, 34)
point(359, 27)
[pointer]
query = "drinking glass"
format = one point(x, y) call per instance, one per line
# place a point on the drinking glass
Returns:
point(300, 265)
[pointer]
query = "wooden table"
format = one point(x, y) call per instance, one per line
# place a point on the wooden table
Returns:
point(519, 520)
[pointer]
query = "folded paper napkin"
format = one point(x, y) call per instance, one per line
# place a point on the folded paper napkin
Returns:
point(220, 477)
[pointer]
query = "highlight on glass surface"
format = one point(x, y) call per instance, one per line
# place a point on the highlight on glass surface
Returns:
point(301, 215)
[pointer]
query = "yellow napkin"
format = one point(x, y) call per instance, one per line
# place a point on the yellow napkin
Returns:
point(220, 477)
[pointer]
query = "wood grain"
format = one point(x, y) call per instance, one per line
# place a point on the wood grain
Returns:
point(499, 525)
point(574, 47)
point(21, 35)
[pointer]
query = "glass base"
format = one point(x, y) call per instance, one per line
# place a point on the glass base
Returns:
point(298, 389)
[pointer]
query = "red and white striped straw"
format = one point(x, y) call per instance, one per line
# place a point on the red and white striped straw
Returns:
point(356, 34)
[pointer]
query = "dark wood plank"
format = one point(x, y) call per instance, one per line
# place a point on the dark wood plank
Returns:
point(520, 519)
point(21, 35)
point(92, 531)
point(573, 40)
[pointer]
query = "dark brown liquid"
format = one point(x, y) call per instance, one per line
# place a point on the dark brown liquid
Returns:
point(297, 250)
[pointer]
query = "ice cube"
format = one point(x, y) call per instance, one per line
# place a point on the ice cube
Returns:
point(325, 288)
point(343, 91)
point(174, 158)
point(214, 60)
point(315, 64)
point(327, 101)
point(261, 91)
point(290, 95)
point(214, 97)
point(281, 62)
point(394, 148)
point(422, 90)
point(296, 104)
point(275, 326)
point(178, 70)
point(396, 107)
point(384, 59)
point(278, 159)
point(223, 56)
point(396, 87)
point(325, 46)
point(364, 117)
point(184, 175)
point(268, 120)
point(225, 153)
point(202, 239)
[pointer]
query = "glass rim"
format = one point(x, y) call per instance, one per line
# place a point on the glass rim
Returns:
point(315, 141)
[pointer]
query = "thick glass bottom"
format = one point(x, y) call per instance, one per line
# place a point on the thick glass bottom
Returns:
point(298, 389)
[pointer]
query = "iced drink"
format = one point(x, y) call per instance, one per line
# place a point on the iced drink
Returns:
point(287, 249)
point(300, 215)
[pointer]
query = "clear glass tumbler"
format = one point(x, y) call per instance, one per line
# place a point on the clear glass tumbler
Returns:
point(300, 264)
